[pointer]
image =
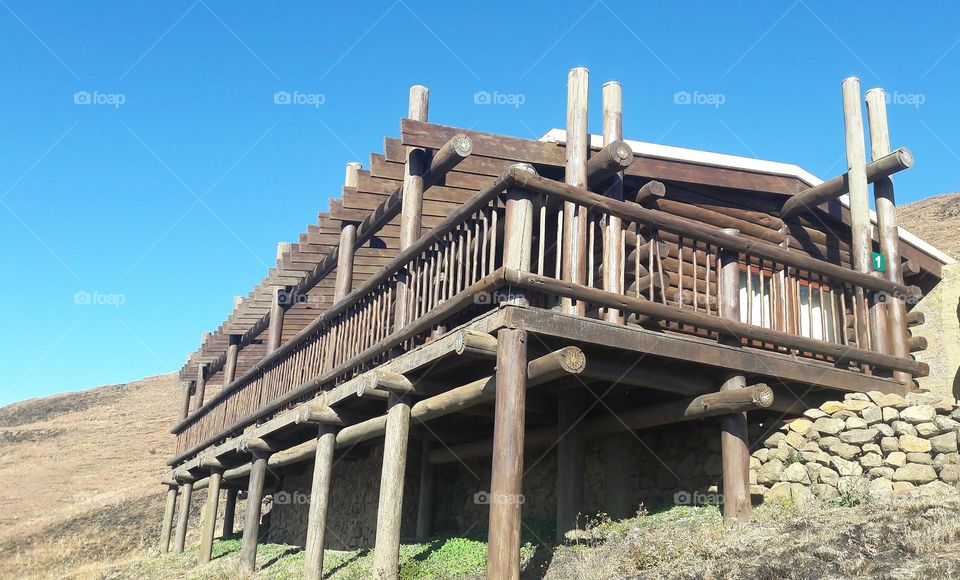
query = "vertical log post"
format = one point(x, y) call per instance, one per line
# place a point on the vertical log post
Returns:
point(168, 511)
point(210, 516)
point(319, 502)
point(251, 526)
point(278, 307)
point(229, 512)
point(390, 505)
point(503, 555)
point(617, 480)
point(201, 386)
point(348, 235)
point(427, 492)
point(571, 458)
point(187, 396)
point(887, 227)
point(734, 445)
point(575, 217)
point(613, 236)
point(186, 495)
point(230, 364)
point(870, 329)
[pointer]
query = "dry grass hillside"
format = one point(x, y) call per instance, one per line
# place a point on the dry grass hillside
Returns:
point(936, 220)
point(79, 474)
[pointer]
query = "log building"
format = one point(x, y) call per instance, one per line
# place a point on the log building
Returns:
point(471, 296)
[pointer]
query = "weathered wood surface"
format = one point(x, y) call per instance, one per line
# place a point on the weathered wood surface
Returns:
point(319, 504)
point(251, 526)
point(168, 512)
point(209, 525)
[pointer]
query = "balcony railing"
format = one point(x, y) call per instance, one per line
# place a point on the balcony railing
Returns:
point(614, 260)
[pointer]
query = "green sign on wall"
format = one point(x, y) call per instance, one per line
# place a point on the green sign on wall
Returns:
point(879, 263)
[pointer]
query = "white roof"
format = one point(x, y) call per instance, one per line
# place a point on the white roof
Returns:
point(736, 162)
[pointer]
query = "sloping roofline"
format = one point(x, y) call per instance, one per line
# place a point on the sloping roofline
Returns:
point(669, 152)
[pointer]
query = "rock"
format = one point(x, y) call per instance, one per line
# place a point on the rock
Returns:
point(946, 424)
point(825, 492)
point(894, 400)
point(795, 473)
point(856, 397)
point(813, 472)
point(770, 472)
point(845, 450)
point(884, 429)
point(755, 464)
point(903, 487)
point(950, 473)
point(882, 471)
point(795, 440)
point(915, 473)
point(811, 446)
point(752, 475)
point(946, 443)
point(762, 454)
point(826, 442)
point(828, 425)
point(856, 405)
point(800, 426)
point(936, 489)
point(844, 414)
point(945, 405)
point(872, 448)
point(903, 428)
point(923, 458)
point(872, 415)
point(942, 459)
point(779, 493)
point(814, 414)
point(918, 398)
point(859, 436)
point(913, 444)
point(889, 414)
point(817, 457)
point(855, 423)
point(831, 407)
point(928, 429)
point(896, 459)
point(714, 465)
point(828, 476)
point(781, 454)
point(869, 460)
point(846, 468)
point(889, 444)
point(876, 397)
point(773, 440)
point(880, 486)
point(800, 494)
point(918, 414)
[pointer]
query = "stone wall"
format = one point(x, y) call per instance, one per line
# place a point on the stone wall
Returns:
point(868, 443)
point(942, 331)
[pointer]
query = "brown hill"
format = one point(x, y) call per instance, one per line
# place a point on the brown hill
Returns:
point(79, 474)
point(935, 220)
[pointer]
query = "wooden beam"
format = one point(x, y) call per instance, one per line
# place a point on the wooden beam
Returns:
point(230, 364)
point(251, 527)
point(188, 390)
point(390, 505)
point(278, 307)
point(201, 387)
point(613, 246)
point(210, 516)
point(652, 189)
point(831, 189)
point(476, 343)
point(319, 503)
point(575, 215)
point(571, 459)
point(168, 511)
point(610, 161)
point(345, 250)
point(229, 512)
point(186, 495)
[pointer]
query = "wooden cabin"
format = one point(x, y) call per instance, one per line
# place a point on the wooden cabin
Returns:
point(473, 296)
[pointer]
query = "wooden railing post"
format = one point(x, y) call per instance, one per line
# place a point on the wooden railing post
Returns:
point(319, 501)
point(575, 216)
point(734, 445)
point(229, 512)
point(348, 236)
point(186, 495)
point(505, 499)
point(201, 386)
point(428, 485)
point(251, 526)
point(278, 307)
point(885, 202)
point(871, 330)
point(230, 364)
point(210, 515)
point(168, 512)
point(188, 391)
point(613, 238)
point(518, 234)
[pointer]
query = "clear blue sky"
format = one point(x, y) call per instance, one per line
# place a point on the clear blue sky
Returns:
point(166, 196)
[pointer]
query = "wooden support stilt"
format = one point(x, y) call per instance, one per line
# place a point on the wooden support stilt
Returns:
point(576, 216)
point(278, 307)
point(201, 386)
point(503, 555)
point(871, 331)
point(210, 516)
point(186, 495)
point(319, 502)
point(251, 526)
point(613, 243)
point(885, 202)
point(230, 364)
point(168, 512)
point(618, 501)
point(348, 236)
point(390, 506)
point(187, 396)
point(229, 512)
point(427, 492)
point(571, 458)
point(734, 446)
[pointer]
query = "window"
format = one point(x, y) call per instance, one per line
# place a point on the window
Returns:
point(762, 300)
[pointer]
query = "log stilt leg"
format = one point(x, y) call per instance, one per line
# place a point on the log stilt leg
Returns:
point(571, 454)
point(617, 499)
point(427, 491)
point(210, 517)
point(503, 556)
point(390, 507)
point(319, 501)
point(251, 526)
point(186, 494)
point(168, 512)
point(229, 513)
